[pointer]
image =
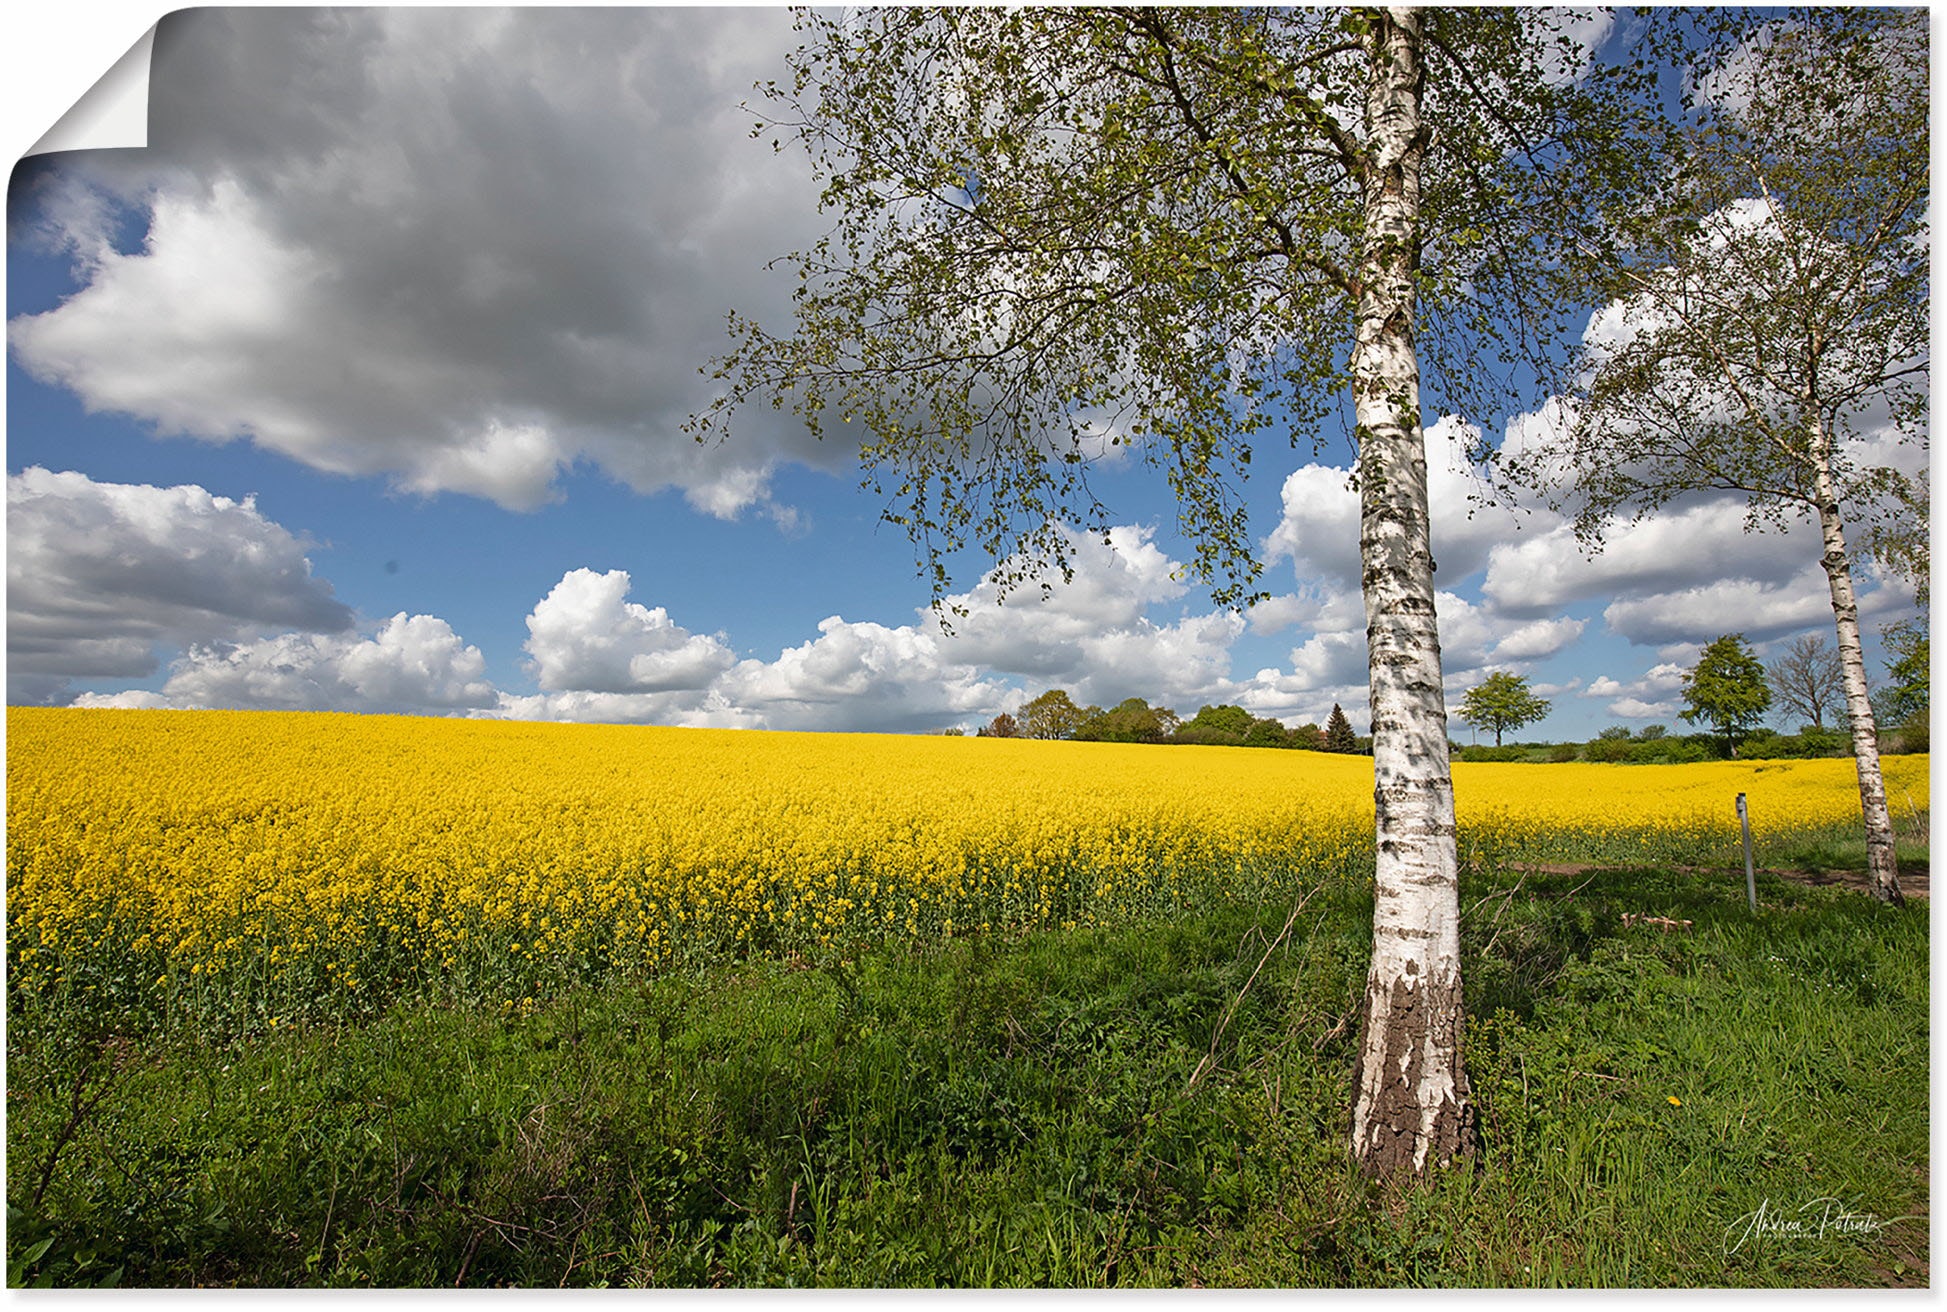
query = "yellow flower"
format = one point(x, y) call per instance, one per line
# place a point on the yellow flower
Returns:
point(231, 851)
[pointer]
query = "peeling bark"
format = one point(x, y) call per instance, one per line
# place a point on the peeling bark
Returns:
point(1411, 1100)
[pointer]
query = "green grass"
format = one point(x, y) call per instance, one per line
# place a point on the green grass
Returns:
point(1098, 1107)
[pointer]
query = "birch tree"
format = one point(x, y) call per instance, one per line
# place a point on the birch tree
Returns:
point(1062, 231)
point(1767, 333)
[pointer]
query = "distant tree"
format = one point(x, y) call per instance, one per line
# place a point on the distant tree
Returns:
point(1338, 732)
point(1727, 689)
point(1051, 715)
point(1001, 726)
point(1807, 679)
point(1649, 733)
point(1614, 733)
point(1131, 721)
point(1309, 737)
point(1230, 721)
point(1503, 702)
point(1267, 733)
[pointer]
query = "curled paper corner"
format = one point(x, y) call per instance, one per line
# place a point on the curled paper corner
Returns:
point(114, 112)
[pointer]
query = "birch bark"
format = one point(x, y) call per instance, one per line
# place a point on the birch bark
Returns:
point(1881, 863)
point(1411, 1099)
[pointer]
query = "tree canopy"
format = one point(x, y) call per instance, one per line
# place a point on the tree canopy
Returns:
point(1503, 701)
point(1060, 232)
point(1765, 313)
point(1727, 689)
point(1051, 715)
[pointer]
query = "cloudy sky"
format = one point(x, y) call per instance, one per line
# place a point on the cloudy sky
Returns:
point(361, 387)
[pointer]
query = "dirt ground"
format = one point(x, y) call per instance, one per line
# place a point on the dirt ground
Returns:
point(1913, 877)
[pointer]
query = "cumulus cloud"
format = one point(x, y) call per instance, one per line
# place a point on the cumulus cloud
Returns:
point(1681, 577)
point(413, 664)
point(1668, 552)
point(585, 636)
point(1537, 640)
point(1653, 695)
point(861, 676)
point(1090, 635)
point(459, 248)
point(1036, 631)
point(102, 576)
point(1093, 634)
point(602, 707)
point(1757, 610)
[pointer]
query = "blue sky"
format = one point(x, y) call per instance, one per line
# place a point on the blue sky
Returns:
point(361, 388)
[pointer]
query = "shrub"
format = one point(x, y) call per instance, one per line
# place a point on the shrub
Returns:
point(1609, 749)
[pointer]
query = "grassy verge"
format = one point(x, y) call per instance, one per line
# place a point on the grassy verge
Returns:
point(1724, 1102)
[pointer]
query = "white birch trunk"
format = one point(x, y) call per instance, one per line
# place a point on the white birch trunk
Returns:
point(1881, 862)
point(1411, 1101)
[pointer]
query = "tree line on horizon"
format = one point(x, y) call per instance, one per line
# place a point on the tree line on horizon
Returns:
point(1055, 715)
point(1728, 692)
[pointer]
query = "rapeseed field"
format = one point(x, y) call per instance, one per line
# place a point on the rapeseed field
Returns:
point(260, 869)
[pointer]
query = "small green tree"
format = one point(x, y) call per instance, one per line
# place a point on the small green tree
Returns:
point(1338, 732)
point(1051, 715)
point(1503, 702)
point(1727, 690)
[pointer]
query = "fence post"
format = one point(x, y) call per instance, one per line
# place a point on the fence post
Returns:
point(1750, 875)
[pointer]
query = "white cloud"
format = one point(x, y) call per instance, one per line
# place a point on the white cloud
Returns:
point(1651, 696)
point(413, 664)
point(1634, 708)
point(100, 576)
point(458, 248)
point(1669, 552)
point(602, 707)
point(1329, 661)
point(857, 676)
point(1757, 610)
point(1092, 634)
point(1538, 640)
point(585, 636)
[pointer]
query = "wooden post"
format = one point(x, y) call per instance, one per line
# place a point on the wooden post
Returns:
point(1750, 875)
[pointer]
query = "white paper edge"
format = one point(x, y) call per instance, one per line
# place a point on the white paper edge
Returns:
point(113, 114)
